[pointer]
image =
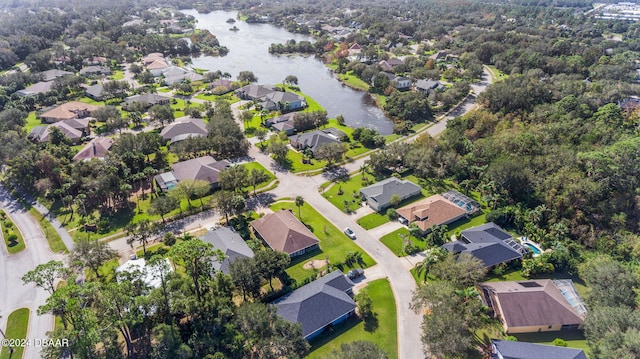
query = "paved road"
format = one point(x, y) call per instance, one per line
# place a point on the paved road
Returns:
point(13, 294)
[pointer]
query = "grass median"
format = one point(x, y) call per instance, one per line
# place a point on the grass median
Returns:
point(17, 325)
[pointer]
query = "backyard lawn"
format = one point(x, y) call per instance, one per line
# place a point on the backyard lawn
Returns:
point(31, 121)
point(574, 338)
point(334, 245)
point(346, 191)
point(381, 330)
point(394, 241)
point(17, 324)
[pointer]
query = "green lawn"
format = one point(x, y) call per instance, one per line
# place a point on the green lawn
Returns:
point(516, 275)
point(353, 81)
point(117, 75)
point(91, 101)
point(255, 165)
point(334, 245)
point(9, 229)
point(17, 324)
point(574, 338)
point(381, 330)
point(496, 74)
point(31, 121)
point(373, 220)
point(465, 223)
point(178, 107)
point(394, 242)
point(349, 190)
point(55, 242)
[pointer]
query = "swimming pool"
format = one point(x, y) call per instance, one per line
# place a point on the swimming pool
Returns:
point(533, 248)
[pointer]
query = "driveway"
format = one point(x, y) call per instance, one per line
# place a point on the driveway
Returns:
point(14, 266)
point(380, 231)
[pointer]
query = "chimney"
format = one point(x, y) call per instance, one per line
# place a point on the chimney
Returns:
point(93, 143)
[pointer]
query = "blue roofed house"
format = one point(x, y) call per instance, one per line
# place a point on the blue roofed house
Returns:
point(507, 349)
point(230, 243)
point(378, 195)
point(323, 303)
point(489, 243)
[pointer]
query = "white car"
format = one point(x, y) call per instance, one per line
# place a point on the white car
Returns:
point(349, 233)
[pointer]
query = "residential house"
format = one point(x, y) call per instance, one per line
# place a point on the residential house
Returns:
point(508, 349)
point(139, 265)
point(254, 92)
point(149, 99)
point(399, 82)
point(533, 306)
point(95, 92)
point(95, 61)
point(68, 111)
point(221, 86)
point(432, 211)
point(388, 65)
point(155, 63)
point(321, 304)
point(489, 243)
point(355, 49)
point(283, 123)
point(73, 129)
point(51, 75)
point(312, 140)
point(378, 195)
point(202, 168)
point(283, 101)
point(230, 243)
point(427, 86)
point(184, 128)
point(41, 87)
point(173, 75)
point(97, 148)
point(95, 71)
point(283, 232)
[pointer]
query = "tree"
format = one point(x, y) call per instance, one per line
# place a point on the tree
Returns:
point(463, 270)
point(279, 151)
point(45, 275)
point(90, 254)
point(271, 264)
point(197, 258)
point(234, 178)
point(257, 176)
point(332, 152)
point(611, 283)
point(140, 232)
point(267, 335)
point(299, 203)
point(246, 276)
point(358, 350)
point(261, 134)
point(163, 205)
point(365, 304)
point(291, 80)
point(395, 200)
point(449, 323)
point(200, 189)
point(161, 113)
point(432, 257)
point(247, 76)
point(223, 202)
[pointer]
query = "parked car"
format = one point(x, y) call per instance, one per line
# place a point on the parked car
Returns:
point(349, 233)
point(355, 273)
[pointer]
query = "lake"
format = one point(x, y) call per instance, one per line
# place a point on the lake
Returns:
point(249, 51)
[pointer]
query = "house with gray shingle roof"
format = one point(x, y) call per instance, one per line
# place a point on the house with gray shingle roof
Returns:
point(184, 128)
point(204, 168)
point(378, 195)
point(312, 140)
point(318, 305)
point(148, 99)
point(230, 243)
point(489, 243)
point(51, 75)
point(507, 349)
point(37, 88)
point(283, 101)
point(254, 92)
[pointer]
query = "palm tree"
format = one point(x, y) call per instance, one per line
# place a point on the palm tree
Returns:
point(423, 268)
point(299, 203)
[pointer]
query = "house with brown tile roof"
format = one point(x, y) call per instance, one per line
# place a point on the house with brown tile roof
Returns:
point(283, 232)
point(67, 111)
point(97, 148)
point(432, 211)
point(530, 306)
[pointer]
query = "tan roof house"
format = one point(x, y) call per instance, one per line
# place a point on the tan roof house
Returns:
point(202, 168)
point(534, 305)
point(283, 232)
point(432, 211)
point(74, 130)
point(67, 111)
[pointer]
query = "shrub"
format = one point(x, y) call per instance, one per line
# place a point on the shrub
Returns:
point(559, 342)
point(392, 214)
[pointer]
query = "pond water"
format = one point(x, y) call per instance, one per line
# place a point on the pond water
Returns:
point(249, 51)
